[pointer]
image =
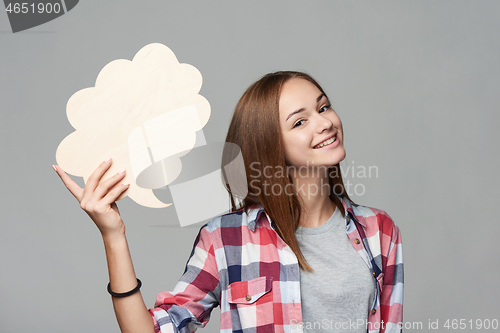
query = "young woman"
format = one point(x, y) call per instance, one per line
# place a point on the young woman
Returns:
point(295, 255)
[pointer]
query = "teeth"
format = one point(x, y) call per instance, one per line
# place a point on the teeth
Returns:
point(327, 142)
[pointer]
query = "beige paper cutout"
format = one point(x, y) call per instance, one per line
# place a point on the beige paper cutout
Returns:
point(142, 113)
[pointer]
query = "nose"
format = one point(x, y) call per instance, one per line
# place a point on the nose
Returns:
point(323, 124)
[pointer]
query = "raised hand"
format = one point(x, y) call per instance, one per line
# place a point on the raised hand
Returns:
point(98, 200)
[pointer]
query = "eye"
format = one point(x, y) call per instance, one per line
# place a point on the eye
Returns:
point(298, 123)
point(324, 108)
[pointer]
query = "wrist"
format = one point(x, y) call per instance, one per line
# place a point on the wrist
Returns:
point(114, 238)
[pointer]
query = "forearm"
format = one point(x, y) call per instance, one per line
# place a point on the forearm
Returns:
point(131, 312)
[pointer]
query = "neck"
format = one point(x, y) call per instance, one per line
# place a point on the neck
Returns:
point(314, 192)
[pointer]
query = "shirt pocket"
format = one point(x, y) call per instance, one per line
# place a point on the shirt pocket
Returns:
point(251, 304)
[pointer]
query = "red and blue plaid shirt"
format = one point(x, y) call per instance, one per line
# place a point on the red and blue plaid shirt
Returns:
point(240, 263)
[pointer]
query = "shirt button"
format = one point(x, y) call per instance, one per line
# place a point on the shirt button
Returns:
point(374, 311)
point(249, 298)
point(356, 241)
point(374, 274)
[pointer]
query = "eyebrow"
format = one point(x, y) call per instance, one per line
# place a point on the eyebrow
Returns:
point(302, 109)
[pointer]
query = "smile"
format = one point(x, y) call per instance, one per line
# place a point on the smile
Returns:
point(326, 142)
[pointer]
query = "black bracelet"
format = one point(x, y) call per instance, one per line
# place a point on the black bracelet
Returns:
point(128, 293)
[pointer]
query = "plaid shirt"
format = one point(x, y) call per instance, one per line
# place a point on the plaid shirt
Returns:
point(240, 263)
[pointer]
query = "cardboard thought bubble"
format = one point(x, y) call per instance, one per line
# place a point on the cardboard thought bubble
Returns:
point(144, 114)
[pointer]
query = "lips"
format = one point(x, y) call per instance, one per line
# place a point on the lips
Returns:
point(326, 142)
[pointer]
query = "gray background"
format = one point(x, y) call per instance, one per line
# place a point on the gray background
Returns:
point(414, 82)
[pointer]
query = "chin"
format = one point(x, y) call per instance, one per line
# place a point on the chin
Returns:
point(339, 157)
point(343, 157)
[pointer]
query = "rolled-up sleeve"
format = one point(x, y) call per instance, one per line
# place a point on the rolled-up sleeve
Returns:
point(189, 305)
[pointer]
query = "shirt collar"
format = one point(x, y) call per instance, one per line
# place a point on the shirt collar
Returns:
point(254, 213)
point(349, 209)
point(253, 216)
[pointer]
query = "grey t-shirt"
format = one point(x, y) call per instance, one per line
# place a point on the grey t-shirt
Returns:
point(338, 293)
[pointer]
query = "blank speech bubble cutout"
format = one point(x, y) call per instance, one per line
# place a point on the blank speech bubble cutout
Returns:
point(146, 114)
point(128, 96)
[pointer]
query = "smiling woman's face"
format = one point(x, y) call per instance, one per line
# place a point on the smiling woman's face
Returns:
point(311, 130)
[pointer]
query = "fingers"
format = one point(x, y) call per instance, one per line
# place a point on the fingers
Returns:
point(115, 192)
point(94, 179)
point(93, 191)
point(104, 197)
point(104, 187)
point(70, 184)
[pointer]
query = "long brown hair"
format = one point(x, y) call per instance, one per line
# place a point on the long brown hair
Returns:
point(256, 130)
